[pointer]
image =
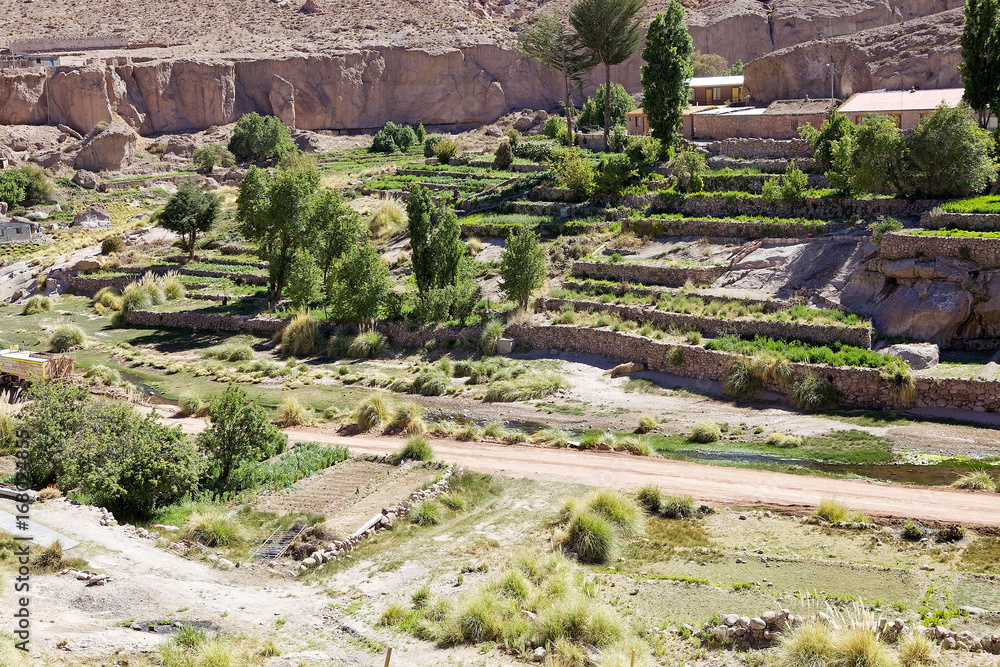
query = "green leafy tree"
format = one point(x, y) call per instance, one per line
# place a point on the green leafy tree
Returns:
point(575, 172)
point(24, 185)
point(275, 213)
point(259, 138)
point(207, 158)
point(522, 267)
point(665, 74)
point(550, 43)
point(880, 161)
point(435, 241)
point(708, 64)
point(687, 167)
point(952, 154)
point(334, 228)
point(50, 418)
point(821, 141)
point(504, 156)
point(593, 109)
point(188, 213)
point(238, 432)
point(734, 70)
point(304, 281)
point(393, 138)
point(981, 55)
point(610, 30)
point(361, 287)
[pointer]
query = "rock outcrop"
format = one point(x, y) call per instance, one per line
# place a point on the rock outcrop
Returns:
point(922, 53)
point(108, 149)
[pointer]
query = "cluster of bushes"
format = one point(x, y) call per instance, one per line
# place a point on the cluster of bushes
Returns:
point(836, 354)
point(789, 189)
point(393, 138)
point(24, 186)
point(593, 526)
point(257, 138)
point(670, 507)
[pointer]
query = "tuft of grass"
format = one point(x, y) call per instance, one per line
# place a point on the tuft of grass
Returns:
point(784, 441)
point(101, 374)
point(859, 646)
point(526, 387)
point(191, 404)
point(917, 649)
point(705, 432)
point(230, 353)
point(912, 531)
point(492, 332)
point(427, 513)
point(977, 480)
point(108, 298)
point(592, 537)
point(809, 645)
point(813, 393)
point(301, 337)
point(556, 437)
point(409, 418)
point(416, 448)
point(421, 597)
point(635, 446)
point(8, 433)
point(902, 385)
point(214, 529)
point(67, 337)
point(291, 413)
point(646, 424)
point(474, 246)
point(392, 616)
point(372, 413)
point(677, 507)
point(387, 218)
point(430, 383)
point(134, 297)
point(834, 511)
point(742, 380)
point(172, 286)
point(36, 305)
point(366, 345)
point(650, 498)
point(618, 508)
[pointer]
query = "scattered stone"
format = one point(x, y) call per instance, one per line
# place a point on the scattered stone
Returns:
point(94, 216)
point(86, 179)
point(539, 654)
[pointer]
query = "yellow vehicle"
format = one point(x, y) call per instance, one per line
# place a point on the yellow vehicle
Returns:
point(18, 368)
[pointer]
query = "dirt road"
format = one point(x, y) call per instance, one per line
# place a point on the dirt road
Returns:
point(712, 485)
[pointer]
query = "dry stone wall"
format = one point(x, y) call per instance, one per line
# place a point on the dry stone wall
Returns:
point(748, 148)
point(648, 274)
point(719, 227)
point(980, 222)
point(902, 245)
point(767, 305)
point(714, 326)
point(766, 165)
point(812, 207)
point(205, 322)
point(753, 183)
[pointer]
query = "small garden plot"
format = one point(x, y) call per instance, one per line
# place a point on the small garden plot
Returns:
point(360, 159)
point(799, 352)
point(955, 233)
point(232, 268)
point(985, 204)
point(466, 186)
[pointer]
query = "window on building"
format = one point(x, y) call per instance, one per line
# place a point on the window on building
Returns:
point(717, 93)
point(736, 94)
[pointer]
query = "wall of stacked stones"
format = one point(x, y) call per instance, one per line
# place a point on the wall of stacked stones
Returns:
point(503, 231)
point(725, 228)
point(813, 207)
point(980, 222)
point(205, 322)
point(762, 126)
point(766, 165)
point(753, 182)
point(901, 245)
point(715, 326)
point(647, 274)
point(858, 386)
point(746, 148)
point(768, 306)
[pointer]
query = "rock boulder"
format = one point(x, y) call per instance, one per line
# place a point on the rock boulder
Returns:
point(94, 216)
point(920, 356)
point(109, 149)
point(86, 179)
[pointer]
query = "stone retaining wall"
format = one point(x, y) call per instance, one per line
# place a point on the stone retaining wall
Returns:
point(813, 207)
point(747, 148)
point(979, 222)
point(715, 326)
point(720, 227)
point(87, 286)
point(753, 182)
point(114, 186)
point(503, 231)
point(766, 165)
point(549, 208)
point(768, 306)
point(648, 274)
point(210, 322)
point(858, 386)
point(901, 245)
point(529, 168)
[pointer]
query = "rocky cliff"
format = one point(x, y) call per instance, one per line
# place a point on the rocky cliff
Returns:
point(922, 52)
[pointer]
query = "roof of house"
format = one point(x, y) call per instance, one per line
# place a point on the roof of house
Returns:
point(800, 107)
point(902, 100)
point(636, 112)
point(715, 81)
point(725, 111)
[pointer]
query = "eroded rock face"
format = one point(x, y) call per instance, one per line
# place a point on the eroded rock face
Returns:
point(110, 149)
point(923, 52)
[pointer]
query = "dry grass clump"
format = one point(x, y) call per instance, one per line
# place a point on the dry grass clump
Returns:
point(67, 337)
point(191, 404)
point(291, 413)
point(301, 337)
point(646, 424)
point(372, 413)
point(593, 525)
point(388, 217)
point(108, 298)
point(917, 649)
point(214, 529)
point(813, 393)
point(705, 432)
point(783, 440)
point(172, 286)
point(366, 345)
point(193, 647)
point(36, 305)
point(834, 511)
point(416, 448)
point(977, 480)
point(556, 437)
point(809, 645)
point(526, 387)
point(409, 418)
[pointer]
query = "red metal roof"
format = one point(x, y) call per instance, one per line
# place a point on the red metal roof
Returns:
point(876, 101)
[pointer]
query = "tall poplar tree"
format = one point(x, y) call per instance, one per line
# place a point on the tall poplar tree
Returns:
point(666, 73)
point(981, 55)
point(610, 30)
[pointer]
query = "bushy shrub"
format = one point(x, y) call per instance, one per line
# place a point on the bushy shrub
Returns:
point(503, 158)
point(514, 137)
point(705, 432)
point(643, 150)
point(409, 419)
point(301, 337)
point(592, 537)
point(393, 138)
point(742, 380)
point(789, 189)
point(574, 172)
point(913, 531)
point(813, 393)
point(67, 337)
point(372, 413)
point(207, 158)
point(416, 448)
point(430, 143)
point(881, 225)
point(492, 332)
point(951, 533)
point(8, 433)
point(366, 345)
point(257, 137)
point(687, 167)
point(445, 150)
point(677, 507)
point(214, 529)
point(291, 413)
point(191, 404)
point(646, 424)
point(24, 185)
point(36, 305)
point(536, 151)
point(112, 244)
point(592, 114)
point(553, 125)
point(613, 174)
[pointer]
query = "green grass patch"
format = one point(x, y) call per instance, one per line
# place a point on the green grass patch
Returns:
point(985, 204)
point(836, 354)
